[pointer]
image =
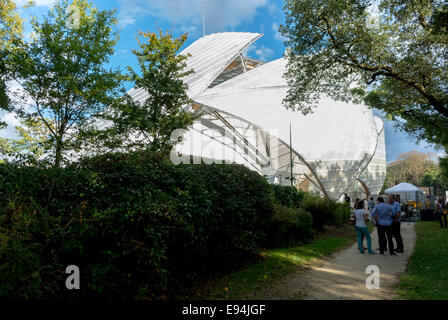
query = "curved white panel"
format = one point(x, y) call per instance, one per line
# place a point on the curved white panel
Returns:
point(375, 173)
point(333, 146)
point(210, 55)
point(338, 139)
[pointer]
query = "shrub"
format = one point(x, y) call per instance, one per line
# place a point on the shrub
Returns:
point(341, 214)
point(287, 196)
point(325, 211)
point(132, 224)
point(321, 209)
point(289, 226)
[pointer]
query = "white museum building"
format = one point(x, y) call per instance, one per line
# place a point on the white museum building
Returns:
point(338, 148)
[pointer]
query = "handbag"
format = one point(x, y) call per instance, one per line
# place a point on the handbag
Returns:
point(352, 219)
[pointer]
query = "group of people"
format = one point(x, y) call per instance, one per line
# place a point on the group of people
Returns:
point(442, 213)
point(386, 217)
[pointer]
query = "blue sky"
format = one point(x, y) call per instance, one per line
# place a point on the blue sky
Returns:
point(180, 16)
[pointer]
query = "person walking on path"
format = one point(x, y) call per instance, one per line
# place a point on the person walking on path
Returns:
point(361, 227)
point(440, 213)
point(396, 232)
point(382, 214)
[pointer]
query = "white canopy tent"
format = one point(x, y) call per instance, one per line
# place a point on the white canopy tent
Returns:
point(408, 192)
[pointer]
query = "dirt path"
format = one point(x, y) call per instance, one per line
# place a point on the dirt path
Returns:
point(343, 276)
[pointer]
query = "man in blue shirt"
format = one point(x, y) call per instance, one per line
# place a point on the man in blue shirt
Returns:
point(382, 214)
point(396, 208)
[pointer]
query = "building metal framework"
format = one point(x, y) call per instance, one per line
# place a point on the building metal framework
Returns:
point(338, 148)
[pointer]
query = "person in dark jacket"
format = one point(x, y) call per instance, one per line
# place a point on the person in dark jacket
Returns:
point(382, 214)
point(347, 198)
point(396, 216)
point(440, 213)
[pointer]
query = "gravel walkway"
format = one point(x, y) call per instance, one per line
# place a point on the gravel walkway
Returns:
point(343, 275)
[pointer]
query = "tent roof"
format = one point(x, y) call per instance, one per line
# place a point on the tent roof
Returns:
point(402, 188)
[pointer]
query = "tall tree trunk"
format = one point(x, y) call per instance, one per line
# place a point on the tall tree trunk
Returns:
point(58, 159)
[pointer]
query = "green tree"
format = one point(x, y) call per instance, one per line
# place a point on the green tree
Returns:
point(5, 146)
point(395, 61)
point(433, 177)
point(420, 169)
point(443, 165)
point(11, 24)
point(148, 124)
point(410, 167)
point(62, 70)
point(11, 28)
point(32, 142)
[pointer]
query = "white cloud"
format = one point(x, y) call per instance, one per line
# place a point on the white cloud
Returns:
point(248, 51)
point(17, 96)
point(442, 154)
point(12, 121)
point(277, 35)
point(121, 52)
point(219, 15)
point(264, 53)
point(189, 29)
point(272, 9)
point(124, 22)
point(38, 3)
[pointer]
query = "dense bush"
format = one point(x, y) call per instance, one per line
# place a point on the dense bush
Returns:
point(325, 211)
point(287, 196)
point(341, 214)
point(131, 223)
point(135, 224)
point(320, 209)
point(289, 226)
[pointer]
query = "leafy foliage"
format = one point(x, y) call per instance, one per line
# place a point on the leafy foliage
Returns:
point(148, 125)
point(419, 169)
point(325, 211)
point(10, 22)
point(287, 196)
point(395, 61)
point(33, 140)
point(62, 71)
point(340, 214)
point(132, 223)
point(11, 28)
point(288, 227)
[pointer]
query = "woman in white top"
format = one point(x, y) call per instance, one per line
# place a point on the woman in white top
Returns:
point(361, 227)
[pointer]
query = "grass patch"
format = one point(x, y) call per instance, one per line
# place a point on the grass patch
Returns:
point(426, 277)
point(278, 263)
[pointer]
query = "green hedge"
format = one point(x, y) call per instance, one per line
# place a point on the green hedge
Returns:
point(325, 211)
point(135, 224)
point(289, 227)
point(131, 223)
point(341, 214)
point(287, 196)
